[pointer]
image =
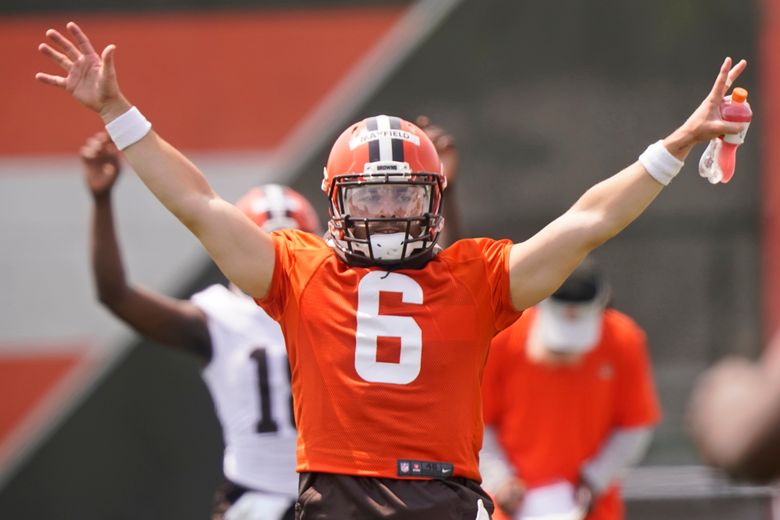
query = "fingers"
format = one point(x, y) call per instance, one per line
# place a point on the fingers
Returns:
point(56, 56)
point(445, 142)
point(735, 72)
point(49, 79)
point(71, 52)
point(108, 149)
point(98, 144)
point(732, 128)
point(87, 153)
point(726, 77)
point(81, 38)
point(108, 62)
point(92, 148)
point(103, 143)
point(64, 60)
point(440, 139)
point(111, 148)
point(422, 121)
point(63, 43)
point(719, 88)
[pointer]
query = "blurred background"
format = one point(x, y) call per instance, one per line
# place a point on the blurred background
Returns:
point(544, 99)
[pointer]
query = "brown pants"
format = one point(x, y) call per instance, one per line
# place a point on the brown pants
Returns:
point(324, 496)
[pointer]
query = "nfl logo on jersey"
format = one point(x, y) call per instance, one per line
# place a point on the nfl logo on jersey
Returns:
point(404, 467)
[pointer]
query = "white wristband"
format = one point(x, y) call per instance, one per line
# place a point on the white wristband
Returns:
point(129, 128)
point(660, 164)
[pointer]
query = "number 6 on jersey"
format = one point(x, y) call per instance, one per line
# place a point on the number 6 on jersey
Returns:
point(371, 326)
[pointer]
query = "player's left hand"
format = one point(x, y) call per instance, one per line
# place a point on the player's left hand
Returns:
point(445, 146)
point(706, 122)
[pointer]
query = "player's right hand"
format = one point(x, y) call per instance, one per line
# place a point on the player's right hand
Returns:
point(90, 77)
point(100, 158)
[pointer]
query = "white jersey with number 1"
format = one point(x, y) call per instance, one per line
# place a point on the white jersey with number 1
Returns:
point(249, 379)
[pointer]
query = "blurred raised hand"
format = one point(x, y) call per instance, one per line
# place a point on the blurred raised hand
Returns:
point(448, 153)
point(100, 158)
point(445, 145)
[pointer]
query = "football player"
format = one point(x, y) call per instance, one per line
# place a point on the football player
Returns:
point(241, 347)
point(569, 404)
point(386, 333)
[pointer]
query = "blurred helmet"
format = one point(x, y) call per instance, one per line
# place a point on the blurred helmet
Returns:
point(273, 207)
point(384, 182)
point(569, 321)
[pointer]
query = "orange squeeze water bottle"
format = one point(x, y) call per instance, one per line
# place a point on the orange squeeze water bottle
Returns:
point(718, 161)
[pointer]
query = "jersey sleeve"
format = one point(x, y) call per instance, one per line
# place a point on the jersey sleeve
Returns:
point(284, 261)
point(638, 403)
point(298, 255)
point(496, 257)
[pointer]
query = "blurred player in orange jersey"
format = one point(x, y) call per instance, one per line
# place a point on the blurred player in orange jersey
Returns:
point(387, 333)
point(734, 416)
point(569, 404)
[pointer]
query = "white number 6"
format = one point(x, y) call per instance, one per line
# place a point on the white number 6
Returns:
point(371, 325)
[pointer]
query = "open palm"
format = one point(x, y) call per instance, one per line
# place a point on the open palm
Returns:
point(91, 78)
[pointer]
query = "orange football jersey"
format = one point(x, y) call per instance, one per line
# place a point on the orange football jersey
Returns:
point(551, 419)
point(387, 365)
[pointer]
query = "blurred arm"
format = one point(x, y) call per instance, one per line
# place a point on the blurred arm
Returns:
point(172, 322)
point(498, 475)
point(735, 416)
point(168, 321)
point(624, 448)
point(493, 463)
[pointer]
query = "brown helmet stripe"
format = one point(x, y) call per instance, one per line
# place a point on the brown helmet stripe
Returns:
point(373, 146)
point(398, 144)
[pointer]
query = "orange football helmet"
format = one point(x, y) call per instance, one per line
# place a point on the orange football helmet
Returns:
point(384, 182)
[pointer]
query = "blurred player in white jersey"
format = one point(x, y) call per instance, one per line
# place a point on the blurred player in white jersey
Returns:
point(242, 348)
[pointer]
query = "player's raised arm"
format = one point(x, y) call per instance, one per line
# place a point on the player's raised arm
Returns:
point(242, 251)
point(540, 264)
